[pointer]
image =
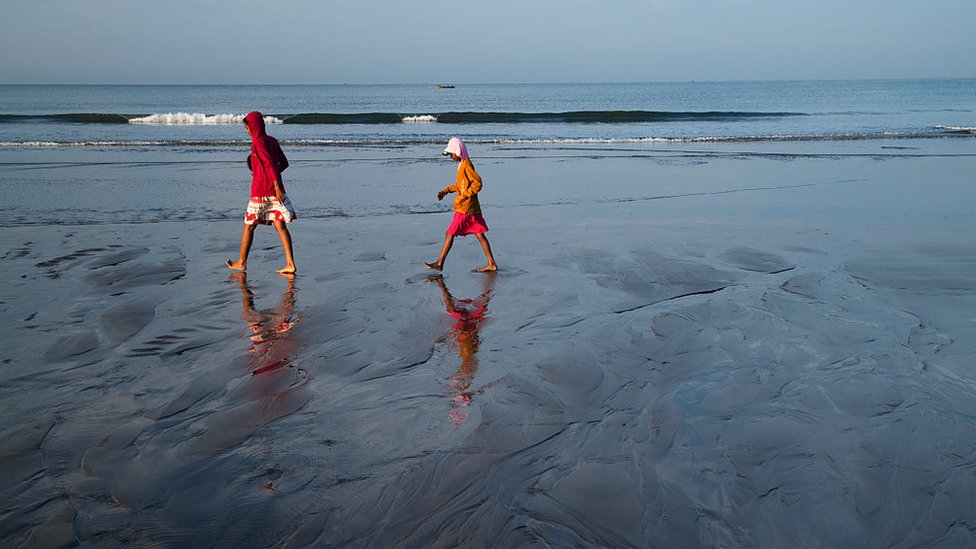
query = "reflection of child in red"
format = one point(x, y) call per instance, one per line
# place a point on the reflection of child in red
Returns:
point(269, 345)
point(465, 339)
point(273, 384)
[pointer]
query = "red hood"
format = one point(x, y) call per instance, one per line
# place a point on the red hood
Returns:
point(255, 121)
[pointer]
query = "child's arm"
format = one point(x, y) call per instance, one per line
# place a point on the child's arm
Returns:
point(446, 191)
point(470, 184)
point(272, 161)
point(279, 192)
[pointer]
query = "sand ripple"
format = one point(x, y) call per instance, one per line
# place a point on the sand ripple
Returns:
point(624, 394)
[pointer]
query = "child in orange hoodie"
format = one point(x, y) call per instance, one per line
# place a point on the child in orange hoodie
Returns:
point(467, 210)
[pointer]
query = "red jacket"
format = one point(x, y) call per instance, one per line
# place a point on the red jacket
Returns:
point(267, 160)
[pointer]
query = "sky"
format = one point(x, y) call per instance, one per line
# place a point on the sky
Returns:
point(504, 41)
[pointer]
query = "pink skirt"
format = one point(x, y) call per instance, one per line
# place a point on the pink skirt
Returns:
point(463, 224)
point(266, 210)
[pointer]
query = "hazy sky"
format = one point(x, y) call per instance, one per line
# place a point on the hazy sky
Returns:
point(423, 41)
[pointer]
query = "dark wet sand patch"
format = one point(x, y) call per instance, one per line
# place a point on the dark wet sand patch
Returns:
point(749, 259)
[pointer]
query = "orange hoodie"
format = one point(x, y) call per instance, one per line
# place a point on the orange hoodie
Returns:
point(467, 186)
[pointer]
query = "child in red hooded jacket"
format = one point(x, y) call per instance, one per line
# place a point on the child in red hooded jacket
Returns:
point(269, 205)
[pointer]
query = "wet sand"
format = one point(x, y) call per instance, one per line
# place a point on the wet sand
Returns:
point(770, 354)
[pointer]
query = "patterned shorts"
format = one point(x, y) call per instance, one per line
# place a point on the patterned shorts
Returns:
point(266, 210)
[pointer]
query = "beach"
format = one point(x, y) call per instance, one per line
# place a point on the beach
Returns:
point(687, 345)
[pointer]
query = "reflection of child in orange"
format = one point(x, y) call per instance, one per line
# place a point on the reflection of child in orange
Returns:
point(465, 339)
point(269, 327)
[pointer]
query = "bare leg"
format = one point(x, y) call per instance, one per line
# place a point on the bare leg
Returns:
point(246, 238)
point(445, 293)
point(439, 264)
point(491, 266)
point(247, 297)
point(286, 244)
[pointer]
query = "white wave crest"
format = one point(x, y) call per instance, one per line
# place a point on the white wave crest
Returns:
point(53, 144)
point(31, 144)
point(956, 129)
point(420, 119)
point(196, 119)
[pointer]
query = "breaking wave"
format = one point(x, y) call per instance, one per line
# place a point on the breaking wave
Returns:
point(957, 129)
point(196, 119)
point(164, 119)
point(569, 117)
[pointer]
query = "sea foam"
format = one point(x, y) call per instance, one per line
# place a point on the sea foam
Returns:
point(420, 119)
point(959, 129)
point(196, 119)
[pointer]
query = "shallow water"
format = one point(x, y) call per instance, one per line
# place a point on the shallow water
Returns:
point(750, 352)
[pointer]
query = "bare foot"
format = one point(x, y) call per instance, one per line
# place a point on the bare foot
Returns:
point(435, 266)
point(289, 270)
point(236, 265)
point(487, 269)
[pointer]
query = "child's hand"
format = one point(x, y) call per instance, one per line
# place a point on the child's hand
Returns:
point(441, 195)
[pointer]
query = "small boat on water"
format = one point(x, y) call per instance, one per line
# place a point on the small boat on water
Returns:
point(445, 86)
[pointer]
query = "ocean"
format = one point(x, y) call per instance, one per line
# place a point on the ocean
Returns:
point(317, 116)
point(96, 154)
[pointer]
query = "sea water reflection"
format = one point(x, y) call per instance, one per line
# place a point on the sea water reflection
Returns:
point(272, 343)
point(464, 338)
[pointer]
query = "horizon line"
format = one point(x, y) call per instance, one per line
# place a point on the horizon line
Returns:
point(514, 83)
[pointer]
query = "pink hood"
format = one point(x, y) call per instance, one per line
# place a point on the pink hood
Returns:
point(456, 146)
